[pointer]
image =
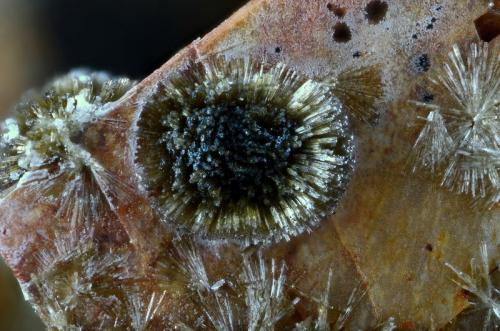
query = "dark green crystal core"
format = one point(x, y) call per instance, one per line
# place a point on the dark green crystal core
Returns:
point(232, 151)
point(242, 150)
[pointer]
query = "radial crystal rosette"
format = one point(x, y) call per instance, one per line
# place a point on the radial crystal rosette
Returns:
point(42, 150)
point(45, 131)
point(460, 139)
point(242, 150)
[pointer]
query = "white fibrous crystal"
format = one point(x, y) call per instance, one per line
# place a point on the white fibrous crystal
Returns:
point(389, 325)
point(357, 295)
point(78, 283)
point(323, 321)
point(266, 300)
point(263, 283)
point(41, 153)
point(142, 313)
point(485, 294)
point(460, 139)
point(434, 143)
point(224, 316)
point(39, 150)
point(193, 267)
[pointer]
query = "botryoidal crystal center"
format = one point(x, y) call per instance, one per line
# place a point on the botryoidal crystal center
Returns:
point(243, 151)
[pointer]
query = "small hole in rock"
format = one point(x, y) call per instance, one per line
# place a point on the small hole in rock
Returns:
point(356, 55)
point(338, 11)
point(429, 247)
point(376, 11)
point(277, 50)
point(342, 33)
point(488, 25)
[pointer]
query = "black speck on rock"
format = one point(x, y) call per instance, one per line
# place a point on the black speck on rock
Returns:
point(421, 63)
point(342, 33)
point(376, 10)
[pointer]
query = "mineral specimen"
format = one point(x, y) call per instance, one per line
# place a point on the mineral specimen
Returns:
point(90, 226)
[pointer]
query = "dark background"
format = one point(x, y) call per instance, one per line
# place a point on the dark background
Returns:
point(130, 37)
point(40, 39)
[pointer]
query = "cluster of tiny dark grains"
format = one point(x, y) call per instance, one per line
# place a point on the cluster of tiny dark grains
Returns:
point(231, 152)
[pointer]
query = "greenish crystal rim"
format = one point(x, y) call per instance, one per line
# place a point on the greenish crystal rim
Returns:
point(184, 175)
